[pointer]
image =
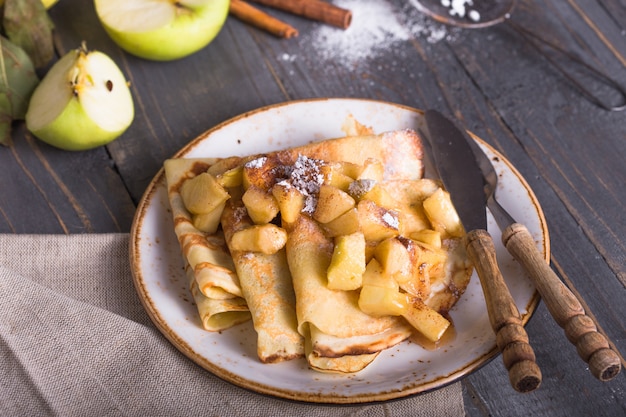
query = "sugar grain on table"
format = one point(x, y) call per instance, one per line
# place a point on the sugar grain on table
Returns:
point(377, 26)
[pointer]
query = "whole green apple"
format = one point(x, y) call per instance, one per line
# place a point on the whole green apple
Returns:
point(81, 103)
point(162, 30)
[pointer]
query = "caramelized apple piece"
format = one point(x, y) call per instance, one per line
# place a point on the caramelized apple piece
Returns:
point(377, 223)
point(202, 194)
point(347, 264)
point(442, 214)
point(267, 239)
point(290, 201)
point(331, 203)
point(261, 206)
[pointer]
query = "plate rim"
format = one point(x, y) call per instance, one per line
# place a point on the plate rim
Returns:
point(234, 378)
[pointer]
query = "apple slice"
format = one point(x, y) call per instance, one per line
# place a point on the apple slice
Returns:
point(82, 102)
point(162, 30)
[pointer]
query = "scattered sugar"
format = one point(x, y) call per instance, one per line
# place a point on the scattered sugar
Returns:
point(288, 57)
point(373, 26)
point(457, 8)
point(391, 219)
point(376, 28)
point(474, 15)
point(256, 163)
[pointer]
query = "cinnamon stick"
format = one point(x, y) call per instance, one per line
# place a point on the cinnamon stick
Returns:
point(313, 9)
point(255, 17)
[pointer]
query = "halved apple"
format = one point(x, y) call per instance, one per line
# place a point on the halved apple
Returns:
point(162, 30)
point(82, 102)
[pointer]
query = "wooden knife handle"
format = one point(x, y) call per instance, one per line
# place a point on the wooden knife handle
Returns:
point(563, 305)
point(517, 354)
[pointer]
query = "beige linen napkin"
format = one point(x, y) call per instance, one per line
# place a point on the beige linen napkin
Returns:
point(75, 341)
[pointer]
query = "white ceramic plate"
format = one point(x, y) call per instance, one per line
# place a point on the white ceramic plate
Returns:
point(403, 370)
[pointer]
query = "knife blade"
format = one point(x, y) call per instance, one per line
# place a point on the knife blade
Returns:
point(565, 308)
point(458, 170)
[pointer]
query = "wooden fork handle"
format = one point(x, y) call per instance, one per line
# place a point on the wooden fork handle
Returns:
point(517, 354)
point(563, 305)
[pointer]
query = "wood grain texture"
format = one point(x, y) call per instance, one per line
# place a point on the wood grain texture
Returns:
point(570, 152)
point(46, 190)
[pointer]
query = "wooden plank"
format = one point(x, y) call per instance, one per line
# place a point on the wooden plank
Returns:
point(616, 10)
point(54, 191)
point(567, 388)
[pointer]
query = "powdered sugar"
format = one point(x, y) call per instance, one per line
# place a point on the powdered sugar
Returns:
point(306, 175)
point(391, 219)
point(256, 163)
point(377, 26)
point(459, 8)
point(373, 26)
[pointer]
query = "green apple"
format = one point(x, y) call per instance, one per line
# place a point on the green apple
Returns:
point(162, 30)
point(81, 103)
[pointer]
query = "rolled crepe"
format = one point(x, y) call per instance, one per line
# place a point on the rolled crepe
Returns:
point(266, 285)
point(217, 314)
point(215, 280)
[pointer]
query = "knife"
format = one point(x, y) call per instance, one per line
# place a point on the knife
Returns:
point(462, 178)
point(567, 311)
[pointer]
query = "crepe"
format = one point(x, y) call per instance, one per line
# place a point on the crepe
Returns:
point(266, 285)
point(340, 336)
point(217, 314)
point(206, 256)
point(400, 152)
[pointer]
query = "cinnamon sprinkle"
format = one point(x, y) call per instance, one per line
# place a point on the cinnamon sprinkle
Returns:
point(305, 176)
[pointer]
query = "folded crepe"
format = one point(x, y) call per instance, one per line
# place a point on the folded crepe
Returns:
point(217, 314)
point(215, 286)
point(266, 285)
point(340, 337)
point(400, 152)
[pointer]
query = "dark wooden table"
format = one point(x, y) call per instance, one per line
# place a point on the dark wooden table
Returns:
point(571, 152)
